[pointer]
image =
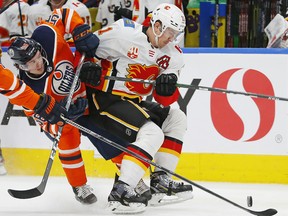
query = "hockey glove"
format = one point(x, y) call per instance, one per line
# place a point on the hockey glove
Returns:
point(122, 12)
point(91, 73)
point(166, 84)
point(77, 109)
point(49, 110)
point(85, 41)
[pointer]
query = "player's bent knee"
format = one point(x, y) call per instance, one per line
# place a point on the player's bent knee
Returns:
point(175, 125)
point(150, 137)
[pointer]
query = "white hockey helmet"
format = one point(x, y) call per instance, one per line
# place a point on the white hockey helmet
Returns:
point(170, 16)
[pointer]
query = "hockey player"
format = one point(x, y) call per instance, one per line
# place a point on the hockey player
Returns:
point(43, 105)
point(41, 10)
point(112, 10)
point(128, 49)
point(10, 19)
point(46, 64)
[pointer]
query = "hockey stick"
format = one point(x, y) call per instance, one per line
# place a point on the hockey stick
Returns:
point(37, 191)
point(21, 18)
point(7, 6)
point(267, 212)
point(203, 88)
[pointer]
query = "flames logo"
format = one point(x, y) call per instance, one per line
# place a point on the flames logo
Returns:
point(141, 72)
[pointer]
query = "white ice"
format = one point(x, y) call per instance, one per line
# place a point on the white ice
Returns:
point(58, 199)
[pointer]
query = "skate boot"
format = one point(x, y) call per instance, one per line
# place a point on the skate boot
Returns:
point(165, 191)
point(124, 200)
point(84, 194)
point(143, 190)
point(3, 171)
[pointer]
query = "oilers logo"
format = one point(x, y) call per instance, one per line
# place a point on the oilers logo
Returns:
point(63, 78)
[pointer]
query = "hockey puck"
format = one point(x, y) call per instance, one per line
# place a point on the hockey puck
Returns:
point(249, 201)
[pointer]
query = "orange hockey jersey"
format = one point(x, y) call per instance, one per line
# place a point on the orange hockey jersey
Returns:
point(16, 91)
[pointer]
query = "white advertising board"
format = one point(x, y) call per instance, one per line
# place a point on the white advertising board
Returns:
point(217, 122)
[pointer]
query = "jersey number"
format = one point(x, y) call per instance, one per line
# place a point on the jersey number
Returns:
point(24, 20)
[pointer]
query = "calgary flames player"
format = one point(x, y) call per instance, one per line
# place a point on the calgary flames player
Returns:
point(155, 130)
point(46, 64)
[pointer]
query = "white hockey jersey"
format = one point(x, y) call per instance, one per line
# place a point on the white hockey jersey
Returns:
point(10, 19)
point(126, 52)
point(141, 8)
point(41, 11)
point(106, 9)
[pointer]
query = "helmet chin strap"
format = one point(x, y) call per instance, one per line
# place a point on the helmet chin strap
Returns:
point(156, 37)
point(156, 41)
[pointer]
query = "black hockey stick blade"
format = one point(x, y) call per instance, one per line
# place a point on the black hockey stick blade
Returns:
point(25, 194)
point(39, 190)
point(267, 212)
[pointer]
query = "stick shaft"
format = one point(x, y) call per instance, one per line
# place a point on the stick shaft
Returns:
point(202, 88)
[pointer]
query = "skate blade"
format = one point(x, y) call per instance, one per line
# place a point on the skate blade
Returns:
point(133, 208)
point(163, 199)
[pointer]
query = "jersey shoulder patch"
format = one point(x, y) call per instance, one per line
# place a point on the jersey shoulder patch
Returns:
point(128, 23)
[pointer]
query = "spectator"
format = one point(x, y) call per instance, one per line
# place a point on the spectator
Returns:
point(11, 20)
point(42, 10)
point(111, 11)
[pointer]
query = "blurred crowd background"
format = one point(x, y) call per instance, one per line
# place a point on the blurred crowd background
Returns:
point(214, 23)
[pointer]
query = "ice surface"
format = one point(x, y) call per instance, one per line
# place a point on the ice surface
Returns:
point(58, 199)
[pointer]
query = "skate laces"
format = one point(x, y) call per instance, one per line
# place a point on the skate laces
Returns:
point(83, 191)
point(168, 181)
point(162, 183)
point(141, 187)
point(129, 190)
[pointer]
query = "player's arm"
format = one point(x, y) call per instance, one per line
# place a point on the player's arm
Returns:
point(68, 21)
point(65, 19)
point(43, 105)
point(166, 91)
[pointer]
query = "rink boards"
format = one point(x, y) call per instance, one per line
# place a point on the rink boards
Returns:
point(230, 137)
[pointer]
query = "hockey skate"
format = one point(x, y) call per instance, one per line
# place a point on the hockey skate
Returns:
point(124, 200)
point(143, 190)
point(84, 194)
point(166, 191)
point(3, 171)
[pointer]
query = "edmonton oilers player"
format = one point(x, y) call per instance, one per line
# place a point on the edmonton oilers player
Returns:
point(46, 64)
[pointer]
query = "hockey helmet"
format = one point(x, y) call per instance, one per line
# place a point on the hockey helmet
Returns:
point(23, 50)
point(170, 17)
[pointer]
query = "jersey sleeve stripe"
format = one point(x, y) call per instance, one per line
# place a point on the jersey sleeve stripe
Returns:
point(14, 84)
point(16, 94)
point(69, 20)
